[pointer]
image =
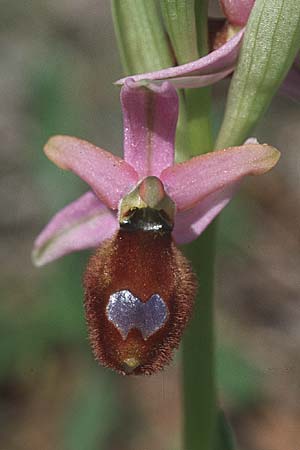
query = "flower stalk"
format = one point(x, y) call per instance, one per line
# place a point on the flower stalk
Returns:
point(198, 101)
point(198, 356)
point(199, 383)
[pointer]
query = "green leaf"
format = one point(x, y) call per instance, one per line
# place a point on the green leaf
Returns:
point(179, 19)
point(271, 42)
point(142, 41)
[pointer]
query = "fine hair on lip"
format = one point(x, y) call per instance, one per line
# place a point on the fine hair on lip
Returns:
point(144, 264)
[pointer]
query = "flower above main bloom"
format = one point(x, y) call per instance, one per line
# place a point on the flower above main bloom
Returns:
point(199, 188)
point(222, 59)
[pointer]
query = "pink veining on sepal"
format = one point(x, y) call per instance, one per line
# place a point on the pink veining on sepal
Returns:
point(192, 181)
point(84, 223)
point(150, 117)
point(237, 11)
point(204, 71)
point(109, 176)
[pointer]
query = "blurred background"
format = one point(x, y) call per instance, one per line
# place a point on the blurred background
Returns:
point(58, 62)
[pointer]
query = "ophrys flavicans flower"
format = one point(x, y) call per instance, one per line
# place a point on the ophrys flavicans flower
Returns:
point(139, 288)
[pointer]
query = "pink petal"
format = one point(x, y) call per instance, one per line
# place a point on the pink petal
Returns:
point(84, 223)
point(207, 70)
point(109, 176)
point(192, 181)
point(191, 223)
point(150, 115)
point(237, 11)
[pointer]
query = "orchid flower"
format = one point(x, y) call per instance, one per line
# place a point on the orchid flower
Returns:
point(221, 61)
point(199, 188)
point(139, 289)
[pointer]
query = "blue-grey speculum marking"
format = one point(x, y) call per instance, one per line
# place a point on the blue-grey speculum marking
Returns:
point(126, 312)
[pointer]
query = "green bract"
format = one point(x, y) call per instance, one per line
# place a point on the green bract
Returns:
point(179, 19)
point(142, 41)
point(271, 42)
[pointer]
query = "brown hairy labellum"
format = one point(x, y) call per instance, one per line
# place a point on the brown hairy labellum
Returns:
point(139, 294)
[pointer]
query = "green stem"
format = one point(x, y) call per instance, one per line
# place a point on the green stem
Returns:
point(198, 101)
point(198, 113)
point(198, 351)
point(199, 384)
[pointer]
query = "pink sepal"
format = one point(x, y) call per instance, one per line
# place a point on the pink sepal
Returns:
point(206, 70)
point(190, 182)
point(109, 176)
point(84, 223)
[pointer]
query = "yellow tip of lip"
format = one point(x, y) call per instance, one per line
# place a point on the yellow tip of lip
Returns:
point(131, 364)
